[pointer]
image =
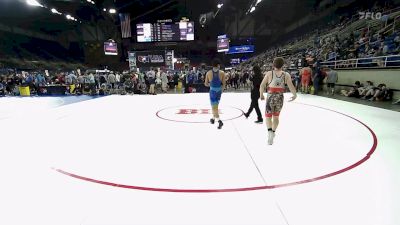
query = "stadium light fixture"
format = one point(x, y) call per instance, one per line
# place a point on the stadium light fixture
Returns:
point(112, 11)
point(33, 3)
point(220, 5)
point(53, 10)
point(252, 9)
point(68, 17)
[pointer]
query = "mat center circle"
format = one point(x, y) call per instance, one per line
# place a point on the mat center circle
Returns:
point(197, 114)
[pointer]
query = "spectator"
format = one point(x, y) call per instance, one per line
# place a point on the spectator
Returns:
point(71, 78)
point(353, 92)
point(2, 88)
point(103, 90)
point(368, 90)
point(103, 79)
point(331, 80)
point(92, 84)
point(158, 77)
point(382, 94)
point(176, 79)
point(318, 76)
point(164, 82)
point(255, 94)
point(112, 80)
point(151, 76)
point(305, 79)
point(118, 80)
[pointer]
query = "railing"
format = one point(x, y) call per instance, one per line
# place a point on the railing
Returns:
point(390, 11)
point(356, 17)
point(396, 20)
point(392, 61)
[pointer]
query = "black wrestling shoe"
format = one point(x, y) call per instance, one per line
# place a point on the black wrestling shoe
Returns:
point(212, 121)
point(246, 115)
point(220, 124)
point(259, 121)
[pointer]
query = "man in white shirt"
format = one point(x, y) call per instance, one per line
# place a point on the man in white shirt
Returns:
point(164, 81)
point(111, 79)
point(151, 76)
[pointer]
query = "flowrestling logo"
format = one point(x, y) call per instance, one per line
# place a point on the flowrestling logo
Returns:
point(370, 15)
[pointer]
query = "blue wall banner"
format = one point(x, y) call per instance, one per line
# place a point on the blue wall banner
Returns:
point(241, 49)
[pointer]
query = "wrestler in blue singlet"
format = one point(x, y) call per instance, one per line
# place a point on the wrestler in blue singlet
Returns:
point(215, 88)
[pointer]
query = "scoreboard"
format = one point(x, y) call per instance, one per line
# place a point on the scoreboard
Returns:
point(162, 32)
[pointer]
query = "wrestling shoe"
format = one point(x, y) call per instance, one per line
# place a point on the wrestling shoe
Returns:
point(271, 136)
point(220, 124)
point(259, 121)
point(212, 121)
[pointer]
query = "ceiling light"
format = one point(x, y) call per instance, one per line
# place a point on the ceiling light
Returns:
point(33, 3)
point(252, 9)
point(112, 11)
point(220, 5)
point(53, 10)
point(68, 17)
point(105, 10)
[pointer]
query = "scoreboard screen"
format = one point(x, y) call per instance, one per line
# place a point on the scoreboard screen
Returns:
point(223, 43)
point(110, 48)
point(162, 32)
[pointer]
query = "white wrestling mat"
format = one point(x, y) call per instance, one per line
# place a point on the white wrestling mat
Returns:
point(120, 160)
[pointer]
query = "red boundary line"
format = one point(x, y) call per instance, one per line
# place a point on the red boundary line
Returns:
point(178, 121)
point(372, 150)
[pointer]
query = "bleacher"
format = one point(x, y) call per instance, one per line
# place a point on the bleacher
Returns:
point(28, 52)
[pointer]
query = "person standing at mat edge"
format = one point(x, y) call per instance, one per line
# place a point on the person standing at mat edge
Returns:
point(255, 94)
point(215, 79)
point(275, 82)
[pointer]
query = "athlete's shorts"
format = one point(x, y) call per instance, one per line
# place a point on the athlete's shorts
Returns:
point(215, 95)
point(274, 104)
point(331, 85)
point(305, 81)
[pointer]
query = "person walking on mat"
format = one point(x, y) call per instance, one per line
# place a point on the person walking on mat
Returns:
point(255, 94)
point(275, 82)
point(215, 79)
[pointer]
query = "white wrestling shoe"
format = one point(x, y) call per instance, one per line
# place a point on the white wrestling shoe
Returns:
point(271, 136)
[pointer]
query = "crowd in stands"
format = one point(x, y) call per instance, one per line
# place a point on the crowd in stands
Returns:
point(103, 82)
point(329, 44)
point(304, 62)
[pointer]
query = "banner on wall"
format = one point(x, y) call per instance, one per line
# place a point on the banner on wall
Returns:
point(132, 61)
point(241, 49)
point(169, 59)
point(150, 59)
